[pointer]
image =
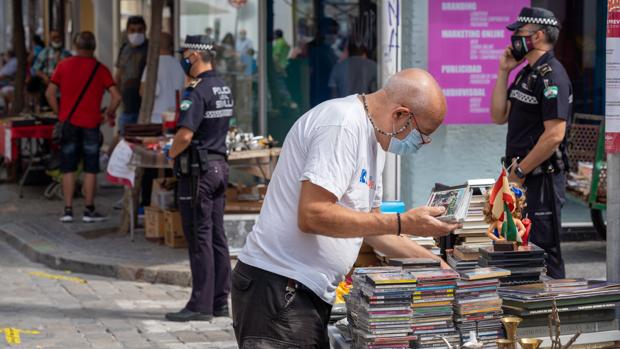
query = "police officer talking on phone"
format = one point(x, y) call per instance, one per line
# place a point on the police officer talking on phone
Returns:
point(538, 108)
point(199, 153)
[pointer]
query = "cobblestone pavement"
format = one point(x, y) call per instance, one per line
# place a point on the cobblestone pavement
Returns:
point(45, 308)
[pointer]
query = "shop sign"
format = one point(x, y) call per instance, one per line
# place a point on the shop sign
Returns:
point(612, 80)
point(465, 41)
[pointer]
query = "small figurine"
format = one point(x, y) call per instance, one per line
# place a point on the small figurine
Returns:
point(503, 209)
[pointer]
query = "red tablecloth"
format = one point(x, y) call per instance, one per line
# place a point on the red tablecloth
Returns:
point(10, 134)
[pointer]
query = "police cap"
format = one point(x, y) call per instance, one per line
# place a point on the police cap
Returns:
point(197, 43)
point(534, 15)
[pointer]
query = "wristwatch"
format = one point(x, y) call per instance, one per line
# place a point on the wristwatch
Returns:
point(519, 172)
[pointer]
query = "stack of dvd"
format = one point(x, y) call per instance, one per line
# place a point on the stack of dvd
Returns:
point(478, 307)
point(414, 264)
point(379, 308)
point(526, 264)
point(432, 308)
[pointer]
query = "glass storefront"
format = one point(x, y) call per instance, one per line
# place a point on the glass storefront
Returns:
point(314, 50)
point(581, 49)
point(235, 29)
point(317, 50)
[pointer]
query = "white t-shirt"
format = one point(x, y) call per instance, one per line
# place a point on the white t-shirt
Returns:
point(170, 78)
point(333, 146)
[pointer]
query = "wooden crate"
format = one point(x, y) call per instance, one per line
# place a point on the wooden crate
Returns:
point(173, 233)
point(154, 223)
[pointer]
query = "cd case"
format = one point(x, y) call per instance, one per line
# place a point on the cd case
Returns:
point(455, 200)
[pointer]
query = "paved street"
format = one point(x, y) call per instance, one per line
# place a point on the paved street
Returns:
point(45, 308)
point(84, 311)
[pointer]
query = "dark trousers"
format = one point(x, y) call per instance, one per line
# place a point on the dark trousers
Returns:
point(272, 311)
point(208, 252)
point(545, 196)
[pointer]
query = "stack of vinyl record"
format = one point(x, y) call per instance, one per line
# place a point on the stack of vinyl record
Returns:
point(525, 264)
point(477, 306)
point(379, 308)
point(432, 308)
point(584, 306)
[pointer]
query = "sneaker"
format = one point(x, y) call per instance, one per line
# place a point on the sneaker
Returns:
point(67, 217)
point(92, 216)
point(187, 315)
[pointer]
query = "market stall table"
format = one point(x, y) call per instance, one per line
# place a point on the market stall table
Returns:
point(25, 128)
point(258, 162)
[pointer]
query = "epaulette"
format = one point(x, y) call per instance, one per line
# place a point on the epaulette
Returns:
point(194, 82)
point(544, 69)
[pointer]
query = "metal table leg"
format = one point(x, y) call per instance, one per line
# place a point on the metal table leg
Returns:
point(131, 214)
point(28, 169)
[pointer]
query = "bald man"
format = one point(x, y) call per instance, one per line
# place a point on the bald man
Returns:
point(323, 202)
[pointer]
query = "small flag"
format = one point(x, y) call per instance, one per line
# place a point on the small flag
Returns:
point(509, 228)
point(500, 195)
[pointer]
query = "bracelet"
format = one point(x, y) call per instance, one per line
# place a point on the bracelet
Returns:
point(398, 220)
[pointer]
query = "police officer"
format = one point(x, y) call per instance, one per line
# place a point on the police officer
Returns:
point(199, 152)
point(537, 107)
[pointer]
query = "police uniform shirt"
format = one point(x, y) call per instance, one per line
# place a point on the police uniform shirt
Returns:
point(539, 93)
point(206, 109)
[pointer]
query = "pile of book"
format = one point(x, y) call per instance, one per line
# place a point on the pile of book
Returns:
point(525, 264)
point(379, 308)
point(477, 306)
point(433, 299)
point(473, 233)
point(586, 306)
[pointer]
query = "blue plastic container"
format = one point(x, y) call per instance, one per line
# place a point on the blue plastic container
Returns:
point(392, 207)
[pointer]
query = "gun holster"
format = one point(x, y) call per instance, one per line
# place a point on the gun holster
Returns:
point(192, 161)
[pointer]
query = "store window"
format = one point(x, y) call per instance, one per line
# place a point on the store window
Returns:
point(581, 49)
point(142, 8)
point(317, 50)
point(233, 25)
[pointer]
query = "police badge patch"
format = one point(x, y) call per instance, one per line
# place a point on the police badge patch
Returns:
point(185, 104)
point(551, 92)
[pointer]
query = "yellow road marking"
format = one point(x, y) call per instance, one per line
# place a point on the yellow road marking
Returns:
point(13, 335)
point(58, 277)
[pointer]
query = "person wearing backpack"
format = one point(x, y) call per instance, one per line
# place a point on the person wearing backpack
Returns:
point(82, 81)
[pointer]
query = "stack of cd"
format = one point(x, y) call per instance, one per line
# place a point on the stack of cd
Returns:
point(477, 306)
point(432, 308)
point(379, 307)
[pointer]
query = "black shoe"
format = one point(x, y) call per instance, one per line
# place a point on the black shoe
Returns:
point(67, 217)
point(92, 216)
point(187, 315)
point(221, 311)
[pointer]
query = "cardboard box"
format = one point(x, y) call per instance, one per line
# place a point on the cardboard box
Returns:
point(173, 233)
point(162, 194)
point(154, 223)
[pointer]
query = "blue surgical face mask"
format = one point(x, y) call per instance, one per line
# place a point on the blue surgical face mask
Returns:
point(186, 65)
point(410, 145)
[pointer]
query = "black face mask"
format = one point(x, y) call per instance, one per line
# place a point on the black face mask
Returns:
point(521, 45)
point(186, 65)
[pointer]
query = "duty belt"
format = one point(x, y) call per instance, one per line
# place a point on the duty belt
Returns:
point(213, 157)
